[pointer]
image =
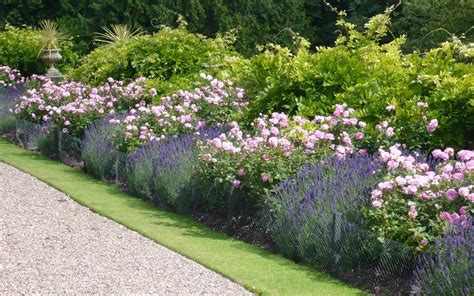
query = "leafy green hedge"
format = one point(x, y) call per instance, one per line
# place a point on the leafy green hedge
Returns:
point(368, 75)
point(168, 55)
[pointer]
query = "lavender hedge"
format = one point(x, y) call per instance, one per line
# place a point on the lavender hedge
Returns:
point(100, 157)
point(163, 171)
point(316, 217)
point(450, 269)
point(8, 96)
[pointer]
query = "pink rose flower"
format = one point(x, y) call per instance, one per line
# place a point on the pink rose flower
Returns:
point(445, 216)
point(376, 193)
point(431, 127)
point(400, 181)
point(389, 132)
point(359, 136)
point(377, 203)
point(410, 190)
point(451, 194)
point(463, 191)
point(392, 164)
point(413, 212)
point(471, 197)
point(236, 183)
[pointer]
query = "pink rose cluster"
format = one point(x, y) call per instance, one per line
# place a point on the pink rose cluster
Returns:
point(384, 128)
point(68, 103)
point(10, 77)
point(447, 188)
point(279, 137)
point(182, 112)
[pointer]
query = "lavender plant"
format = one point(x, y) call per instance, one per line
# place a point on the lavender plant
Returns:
point(100, 157)
point(173, 172)
point(449, 270)
point(8, 96)
point(162, 171)
point(316, 216)
point(139, 169)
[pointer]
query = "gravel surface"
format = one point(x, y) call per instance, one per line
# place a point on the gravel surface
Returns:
point(49, 244)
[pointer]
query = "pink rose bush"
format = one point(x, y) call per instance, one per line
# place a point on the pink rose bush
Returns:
point(416, 201)
point(256, 161)
point(184, 112)
point(410, 123)
point(10, 77)
point(72, 105)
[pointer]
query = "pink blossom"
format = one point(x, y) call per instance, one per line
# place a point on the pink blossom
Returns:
point(465, 155)
point(445, 216)
point(241, 172)
point(236, 183)
point(463, 191)
point(410, 189)
point(448, 169)
point(389, 132)
point(400, 181)
point(470, 165)
point(387, 186)
point(392, 164)
point(449, 151)
point(376, 193)
point(359, 136)
point(390, 108)
point(437, 153)
point(265, 178)
point(363, 152)
point(451, 194)
point(413, 212)
point(273, 141)
point(377, 203)
point(431, 127)
point(471, 197)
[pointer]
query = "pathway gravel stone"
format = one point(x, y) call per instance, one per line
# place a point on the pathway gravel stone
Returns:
point(49, 244)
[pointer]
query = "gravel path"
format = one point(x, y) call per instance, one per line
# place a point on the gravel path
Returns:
point(49, 244)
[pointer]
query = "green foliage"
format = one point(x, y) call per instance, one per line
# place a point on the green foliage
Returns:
point(368, 75)
point(166, 56)
point(257, 22)
point(20, 48)
point(427, 23)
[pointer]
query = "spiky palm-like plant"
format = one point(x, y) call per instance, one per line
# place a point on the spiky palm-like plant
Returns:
point(49, 35)
point(117, 34)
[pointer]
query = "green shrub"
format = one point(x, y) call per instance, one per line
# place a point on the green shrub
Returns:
point(168, 55)
point(367, 75)
point(20, 48)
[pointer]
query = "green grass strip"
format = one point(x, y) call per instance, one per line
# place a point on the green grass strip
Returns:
point(256, 269)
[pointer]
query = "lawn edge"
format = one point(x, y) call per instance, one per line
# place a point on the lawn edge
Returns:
point(16, 161)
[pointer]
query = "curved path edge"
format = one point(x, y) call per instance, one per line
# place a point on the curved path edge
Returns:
point(256, 269)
